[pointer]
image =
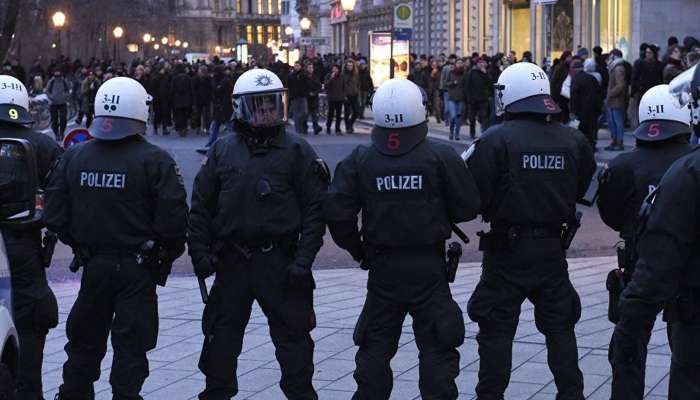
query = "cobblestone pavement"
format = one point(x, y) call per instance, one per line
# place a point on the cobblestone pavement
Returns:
point(339, 299)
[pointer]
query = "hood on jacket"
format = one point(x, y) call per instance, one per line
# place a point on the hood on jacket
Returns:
point(589, 67)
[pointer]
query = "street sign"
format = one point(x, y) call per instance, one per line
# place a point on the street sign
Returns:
point(313, 41)
point(77, 135)
point(403, 16)
point(402, 34)
point(545, 2)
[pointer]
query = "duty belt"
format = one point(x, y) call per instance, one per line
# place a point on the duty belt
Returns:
point(246, 248)
point(528, 232)
point(91, 251)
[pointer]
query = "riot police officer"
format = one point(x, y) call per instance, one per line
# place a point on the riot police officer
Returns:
point(530, 172)
point(111, 199)
point(662, 138)
point(667, 271)
point(256, 221)
point(410, 190)
point(35, 309)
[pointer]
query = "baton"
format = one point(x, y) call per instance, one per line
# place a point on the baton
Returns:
point(460, 233)
point(203, 290)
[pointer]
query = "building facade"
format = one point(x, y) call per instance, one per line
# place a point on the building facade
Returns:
point(544, 27)
point(215, 26)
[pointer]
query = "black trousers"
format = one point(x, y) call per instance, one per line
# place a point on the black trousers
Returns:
point(58, 119)
point(181, 116)
point(334, 110)
point(509, 277)
point(352, 111)
point(478, 110)
point(399, 284)
point(35, 309)
point(116, 295)
point(685, 362)
point(201, 116)
point(161, 113)
point(589, 127)
point(289, 311)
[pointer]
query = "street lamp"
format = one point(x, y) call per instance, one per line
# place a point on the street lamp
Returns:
point(59, 20)
point(242, 50)
point(305, 25)
point(118, 32)
point(288, 31)
point(185, 45)
point(178, 43)
point(348, 6)
point(217, 50)
point(164, 40)
point(156, 46)
point(147, 38)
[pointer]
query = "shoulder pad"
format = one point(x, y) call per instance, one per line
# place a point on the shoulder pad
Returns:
point(466, 155)
point(323, 170)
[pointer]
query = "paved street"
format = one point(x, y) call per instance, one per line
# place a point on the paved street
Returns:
point(339, 300)
point(593, 239)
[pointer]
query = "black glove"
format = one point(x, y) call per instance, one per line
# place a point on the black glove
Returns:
point(300, 277)
point(205, 266)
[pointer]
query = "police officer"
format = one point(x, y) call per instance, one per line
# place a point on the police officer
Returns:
point(107, 198)
point(662, 138)
point(256, 221)
point(409, 190)
point(530, 172)
point(667, 272)
point(35, 309)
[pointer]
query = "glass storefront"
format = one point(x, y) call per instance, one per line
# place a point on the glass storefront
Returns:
point(519, 24)
point(612, 24)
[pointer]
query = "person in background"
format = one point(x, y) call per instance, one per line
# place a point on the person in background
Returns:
point(479, 88)
point(203, 92)
point(617, 91)
point(88, 91)
point(351, 89)
point(366, 86)
point(58, 90)
point(587, 98)
point(336, 97)
point(455, 83)
point(314, 88)
point(298, 98)
point(674, 63)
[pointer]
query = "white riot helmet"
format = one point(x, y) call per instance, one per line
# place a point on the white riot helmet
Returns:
point(121, 109)
point(524, 88)
point(686, 89)
point(399, 110)
point(14, 101)
point(259, 99)
point(661, 116)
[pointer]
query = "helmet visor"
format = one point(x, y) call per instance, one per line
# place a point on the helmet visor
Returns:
point(261, 110)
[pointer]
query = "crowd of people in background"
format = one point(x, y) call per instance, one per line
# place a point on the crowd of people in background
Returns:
point(194, 97)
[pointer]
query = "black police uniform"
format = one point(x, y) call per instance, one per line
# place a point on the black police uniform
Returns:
point(257, 207)
point(105, 199)
point(668, 267)
point(630, 177)
point(530, 173)
point(35, 310)
point(624, 184)
point(409, 190)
